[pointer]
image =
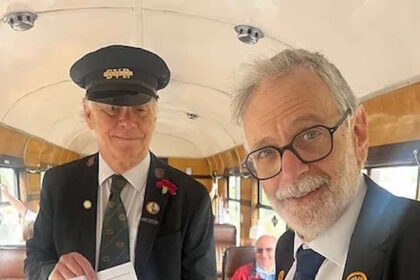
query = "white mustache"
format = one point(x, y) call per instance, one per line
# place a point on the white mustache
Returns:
point(302, 187)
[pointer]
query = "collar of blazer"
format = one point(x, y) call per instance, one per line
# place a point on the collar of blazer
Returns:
point(149, 222)
point(374, 232)
point(377, 221)
point(88, 181)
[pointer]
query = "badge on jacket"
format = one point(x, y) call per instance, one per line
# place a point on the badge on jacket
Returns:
point(357, 275)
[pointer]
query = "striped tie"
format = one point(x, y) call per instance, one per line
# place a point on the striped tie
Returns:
point(115, 246)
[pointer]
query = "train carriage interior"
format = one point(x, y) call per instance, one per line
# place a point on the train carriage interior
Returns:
point(206, 44)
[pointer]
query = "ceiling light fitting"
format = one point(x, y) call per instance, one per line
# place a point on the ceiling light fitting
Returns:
point(248, 34)
point(191, 116)
point(20, 21)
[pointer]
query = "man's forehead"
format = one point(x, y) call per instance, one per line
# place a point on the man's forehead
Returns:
point(298, 81)
point(294, 101)
point(266, 241)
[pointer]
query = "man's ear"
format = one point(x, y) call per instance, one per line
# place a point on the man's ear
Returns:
point(360, 135)
point(87, 113)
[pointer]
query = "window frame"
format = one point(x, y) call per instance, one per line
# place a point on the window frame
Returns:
point(237, 176)
point(17, 185)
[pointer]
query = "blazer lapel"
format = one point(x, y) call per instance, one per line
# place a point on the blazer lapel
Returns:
point(89, 193)
point(368, 243)
point(153, 209)
point(284, 254)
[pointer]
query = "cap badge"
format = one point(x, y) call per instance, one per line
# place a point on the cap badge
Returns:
point(152, 208)
point(123, 73)
point(87, 204)
point(358, 275)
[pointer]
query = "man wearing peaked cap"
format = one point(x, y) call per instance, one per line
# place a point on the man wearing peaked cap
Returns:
point(121, 204)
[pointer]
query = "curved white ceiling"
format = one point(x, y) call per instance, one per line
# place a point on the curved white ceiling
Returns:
point(373, 43)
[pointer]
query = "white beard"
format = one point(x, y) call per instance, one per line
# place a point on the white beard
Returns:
point(310, 219)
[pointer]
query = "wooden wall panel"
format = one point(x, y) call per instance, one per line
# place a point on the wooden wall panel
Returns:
point(63, 156)
point(72, 156)
point(50, 154)
point(32, 152)
point(12, 142)
point(394, 117)
point(33, 182)
point(246, 211)
point(230, 159)
point(198, 166)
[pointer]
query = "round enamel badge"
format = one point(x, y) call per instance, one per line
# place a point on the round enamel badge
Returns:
point(87, 204)
point(358, 275)
point(152, 208)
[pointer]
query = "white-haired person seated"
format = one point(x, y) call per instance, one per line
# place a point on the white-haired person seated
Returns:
point(263, 267)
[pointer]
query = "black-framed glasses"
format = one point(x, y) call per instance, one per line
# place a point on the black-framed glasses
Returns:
point(312, 144)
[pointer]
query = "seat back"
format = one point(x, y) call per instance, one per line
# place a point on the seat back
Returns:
point(224, 237)
point(236, 257)
point(11, 262)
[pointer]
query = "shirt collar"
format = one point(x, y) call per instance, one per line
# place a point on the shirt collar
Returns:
point(338, 233)
point(261, 271)
point(136, 176)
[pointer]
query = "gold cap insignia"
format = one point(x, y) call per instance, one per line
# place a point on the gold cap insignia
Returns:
point(152, 208)
point(358, 275)
point(123, 73)
point(87, 204)
point(281, 275)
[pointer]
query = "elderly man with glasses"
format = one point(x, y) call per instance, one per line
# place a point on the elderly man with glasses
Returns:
point(307, 141)
point(121, 205)
point(263, 268)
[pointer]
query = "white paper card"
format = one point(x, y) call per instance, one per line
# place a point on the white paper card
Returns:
point(121, 272)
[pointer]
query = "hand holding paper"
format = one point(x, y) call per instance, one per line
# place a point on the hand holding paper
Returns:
point(121, 272)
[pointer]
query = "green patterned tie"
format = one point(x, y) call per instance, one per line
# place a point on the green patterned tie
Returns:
point(115, 246)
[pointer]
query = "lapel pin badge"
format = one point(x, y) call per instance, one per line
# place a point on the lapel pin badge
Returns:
point(87, 204)
point(281, 275)
point(159, 173)
point(357, 275)
point(149, 221)
point(152, 208)
point(90, 161)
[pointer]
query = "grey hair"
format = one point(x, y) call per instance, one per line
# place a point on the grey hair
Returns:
point(284, 63)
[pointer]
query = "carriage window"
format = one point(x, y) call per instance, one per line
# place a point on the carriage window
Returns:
point(400, 180)
point(268, 220)
point(234, 204)
point(10, 220)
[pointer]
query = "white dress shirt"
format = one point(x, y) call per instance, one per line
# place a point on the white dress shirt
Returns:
point(334, 242)
point(132, 197)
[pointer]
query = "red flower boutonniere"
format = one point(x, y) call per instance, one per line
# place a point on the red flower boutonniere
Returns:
point(166, 186)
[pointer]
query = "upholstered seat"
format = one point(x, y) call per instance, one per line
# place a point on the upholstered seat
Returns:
point(11, 262)
point(234, 258)
point(224, 237)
